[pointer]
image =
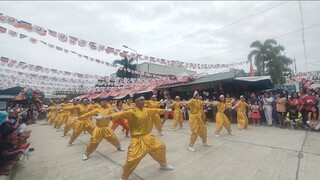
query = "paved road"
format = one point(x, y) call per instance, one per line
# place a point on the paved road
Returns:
point(262, 153)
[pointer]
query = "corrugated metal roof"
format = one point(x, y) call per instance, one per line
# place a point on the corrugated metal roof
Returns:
point(233, 73)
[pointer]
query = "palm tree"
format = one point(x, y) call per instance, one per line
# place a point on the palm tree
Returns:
point(128, 64)
point(263, 53)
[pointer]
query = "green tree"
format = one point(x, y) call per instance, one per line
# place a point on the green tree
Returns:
point(262, 53)
point(128, 64)
point(269, 60)
point(277, 67)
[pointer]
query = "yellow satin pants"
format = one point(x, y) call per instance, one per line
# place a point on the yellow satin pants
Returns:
point(70, 124)
point(62, 119)
point(53, 118)
point(157, 123)
point(203, 116)
point(98, 134)
point(49, 116)
point(177, 118)
point(222, 120)
point(79, 127)
point(138, 148)
point(198, 128)
point(242, 120)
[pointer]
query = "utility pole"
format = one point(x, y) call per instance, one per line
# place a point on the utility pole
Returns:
point(303, 41)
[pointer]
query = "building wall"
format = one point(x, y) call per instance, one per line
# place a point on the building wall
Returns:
point(164, 70)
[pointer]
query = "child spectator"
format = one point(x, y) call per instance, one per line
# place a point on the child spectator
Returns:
point(294, 118)
point(255, 113)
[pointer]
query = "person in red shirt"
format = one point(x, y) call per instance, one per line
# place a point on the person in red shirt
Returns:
point(309, 101)
point(295, 100)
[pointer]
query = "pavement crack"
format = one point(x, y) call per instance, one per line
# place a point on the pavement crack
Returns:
point(300, 155)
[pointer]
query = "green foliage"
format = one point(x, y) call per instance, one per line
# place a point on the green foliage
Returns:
point(269, 61)
point(126, 63)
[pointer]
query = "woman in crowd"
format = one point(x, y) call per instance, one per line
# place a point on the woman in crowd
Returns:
point(281, 108)
point(295, 100)
point(314, 118)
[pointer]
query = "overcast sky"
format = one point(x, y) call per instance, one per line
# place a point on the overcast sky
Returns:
point(197, 32)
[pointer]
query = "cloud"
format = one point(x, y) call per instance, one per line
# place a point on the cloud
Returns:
point(187, 31)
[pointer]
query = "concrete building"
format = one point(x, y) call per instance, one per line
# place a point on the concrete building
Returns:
point(159, 69)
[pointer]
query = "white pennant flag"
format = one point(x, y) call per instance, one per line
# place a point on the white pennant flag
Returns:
point(13, 33)
point(33, 40)
point(101, 48)
point(62, 37)
point(39, 30)
point(73, 40)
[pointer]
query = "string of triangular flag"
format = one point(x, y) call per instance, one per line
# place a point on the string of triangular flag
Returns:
point(110, 50)
point(111, 81)
point(60, 49)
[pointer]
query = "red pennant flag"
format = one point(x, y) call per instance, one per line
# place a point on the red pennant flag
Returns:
point(109, 50)
point(3, 30)
point(4, 59)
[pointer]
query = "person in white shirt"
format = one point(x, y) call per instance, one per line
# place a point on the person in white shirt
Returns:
point(267, 101)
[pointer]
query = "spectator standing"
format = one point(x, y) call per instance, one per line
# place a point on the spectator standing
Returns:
point(268, 101)
point(281, 108)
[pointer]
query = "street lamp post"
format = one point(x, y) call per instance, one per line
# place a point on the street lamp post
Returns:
point(136, 55)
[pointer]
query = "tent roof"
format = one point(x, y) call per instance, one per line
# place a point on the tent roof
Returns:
point(12, 91)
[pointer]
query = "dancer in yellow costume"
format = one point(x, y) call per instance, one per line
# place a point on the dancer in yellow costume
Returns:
point(52, 112)
point(82, 124)
point(154, 104)
point(102, 130)
point(221, 118)
point(63, 115)
point(202, 113)
point(142, 141)
point(178, 116)
point(241, 113)
point(70, 121)
point(129, 104)
point(198, 127)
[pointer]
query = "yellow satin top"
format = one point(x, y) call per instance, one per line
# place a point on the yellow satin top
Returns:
point(241, 105)
point(228, 103)
point(99, 122)
point(177, 105)
point(82, 109)
point(152, 104)
point(221, 106)
point(74, 112)
point(195, 105)
point(139, 120)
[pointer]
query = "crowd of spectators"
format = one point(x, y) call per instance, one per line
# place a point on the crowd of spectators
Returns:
point(297, 110)
point(14, 134)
